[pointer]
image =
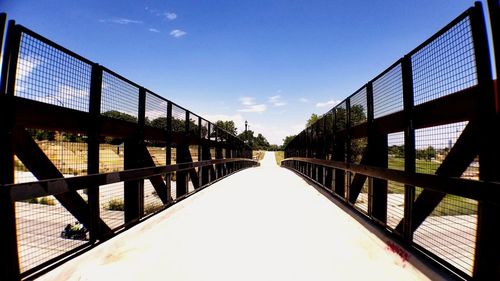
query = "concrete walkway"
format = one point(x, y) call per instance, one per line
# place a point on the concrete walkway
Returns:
point(263, 223)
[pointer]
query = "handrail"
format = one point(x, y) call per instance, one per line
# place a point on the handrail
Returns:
point(485, 191)
point(25, 191)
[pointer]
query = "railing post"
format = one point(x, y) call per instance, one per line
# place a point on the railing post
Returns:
point(325, 151)
point(329, 144)
point(314, 147)
point(494, 11)
point(228, 156)
point(3, 21)
point(9, 267)
point(134, 190)
point(309, 151)
point(218, 152)
point(377, 151)
point(93, 151)
point(205, 154)
point(181, 177)
point(348, 148)
point(200, 141)
point(486, 260)
point(9, 255)
point(338, 155)
point(168, 149)
point(409, 146)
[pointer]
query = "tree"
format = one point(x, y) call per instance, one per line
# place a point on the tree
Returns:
point(274, 147)
point(397, 151)
point(287, 140)
point(426, 154)
point(160, 122)
point(257, 143)
point(260, 142)
point(314, 117)
point(228, 126)
point(120, 115)
point(40, 135)
point(247, 137)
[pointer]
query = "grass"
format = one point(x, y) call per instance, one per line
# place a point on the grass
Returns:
point(279, 155)
point(258, 154)
point(451, 205)
point(422, 166)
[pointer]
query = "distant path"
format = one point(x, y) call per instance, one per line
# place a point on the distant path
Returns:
point(263, 223)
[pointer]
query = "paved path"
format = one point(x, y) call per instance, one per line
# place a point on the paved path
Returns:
point(263, 223)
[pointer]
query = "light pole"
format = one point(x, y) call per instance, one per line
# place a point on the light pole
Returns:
point(246, 126)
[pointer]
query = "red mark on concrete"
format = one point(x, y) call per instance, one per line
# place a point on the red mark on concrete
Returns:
point(398, 250)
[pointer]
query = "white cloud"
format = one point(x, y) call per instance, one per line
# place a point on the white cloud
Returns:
point(154, 30)
point(170, 16)
point(121, 21)
point(247, 100)
point(276, 101)
point(259, 108)
point(275, 134)
point(249, 105)
point(304, 100)
point(330, 103)
point(65, 96)
point(177, 33)
point(26, 65)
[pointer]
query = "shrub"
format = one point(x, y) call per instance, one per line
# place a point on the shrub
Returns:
point(152, 207)
point(42, 200)
point(31, 201)
point(47, 201)
point(115, 204)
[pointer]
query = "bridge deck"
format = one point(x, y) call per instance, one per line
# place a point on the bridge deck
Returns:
point(260, 224)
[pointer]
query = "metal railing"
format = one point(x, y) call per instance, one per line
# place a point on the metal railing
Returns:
point(79, 142)
point(416, 150)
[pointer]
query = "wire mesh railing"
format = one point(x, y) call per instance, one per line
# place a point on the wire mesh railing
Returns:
point(85, 153)
point(415, 149)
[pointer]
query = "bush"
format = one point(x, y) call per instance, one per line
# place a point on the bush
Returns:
point(31, 201)
point(47, 201)
point(42, 200)
point(115, 204)
point(152, 207)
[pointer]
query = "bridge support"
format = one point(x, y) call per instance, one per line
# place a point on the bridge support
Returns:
point(487, 258)
point(9, 267)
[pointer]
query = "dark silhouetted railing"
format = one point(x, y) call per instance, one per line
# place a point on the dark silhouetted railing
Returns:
point(86, 153)
point(416, 150)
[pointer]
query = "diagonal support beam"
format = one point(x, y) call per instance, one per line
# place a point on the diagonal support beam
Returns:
point(456, 162)
point(358, 180)
point(184, 156)
point(28, 151)
point(193, 175)
point(159, 185)
point(206, 171)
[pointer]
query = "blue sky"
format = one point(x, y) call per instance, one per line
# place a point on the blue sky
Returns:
point(271, 62)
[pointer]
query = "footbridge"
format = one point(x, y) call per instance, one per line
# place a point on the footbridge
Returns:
point(101, 177)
